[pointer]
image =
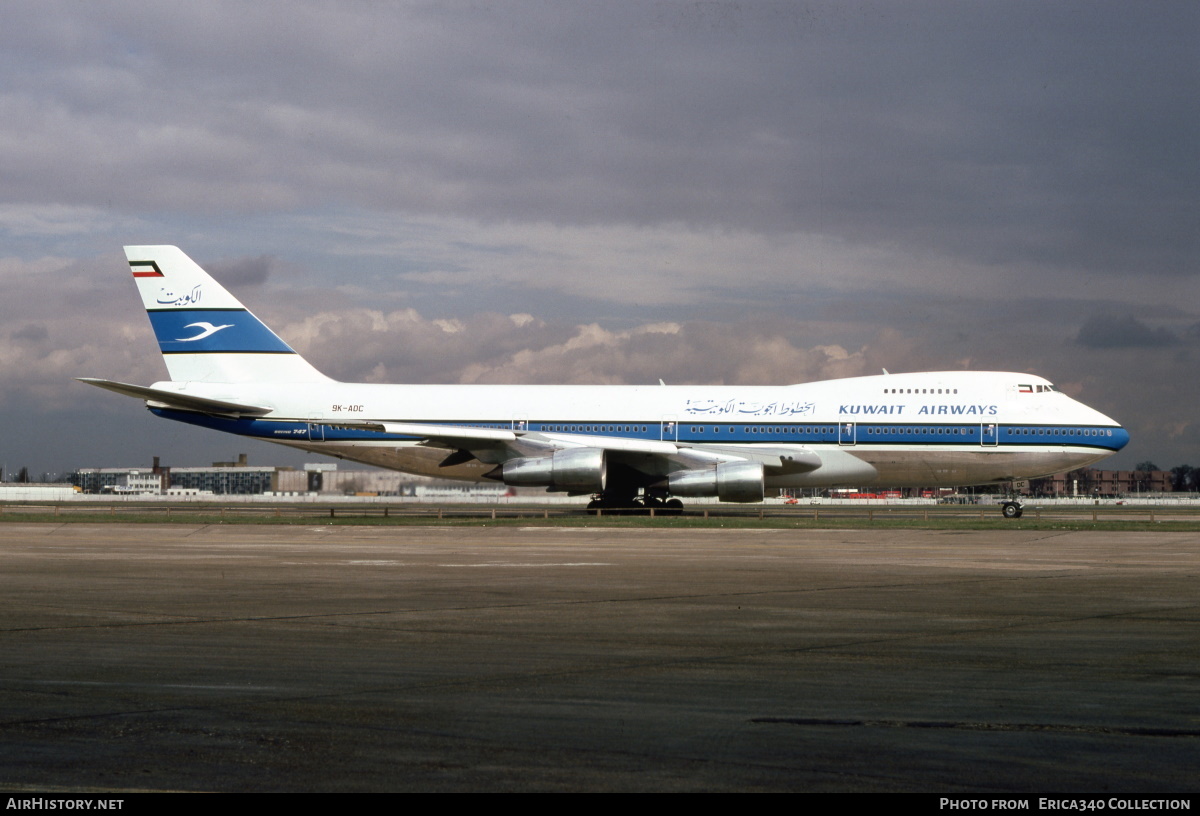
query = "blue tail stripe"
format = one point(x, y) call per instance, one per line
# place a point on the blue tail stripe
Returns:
point(207, 331)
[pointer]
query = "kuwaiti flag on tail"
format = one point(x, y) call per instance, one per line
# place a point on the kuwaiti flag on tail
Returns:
point(145, 269)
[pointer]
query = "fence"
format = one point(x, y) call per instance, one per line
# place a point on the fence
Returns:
point(409, 512)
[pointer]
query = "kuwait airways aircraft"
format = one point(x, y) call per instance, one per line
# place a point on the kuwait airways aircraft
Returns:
point(626, 446)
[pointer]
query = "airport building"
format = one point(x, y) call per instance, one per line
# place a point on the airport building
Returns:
point(242, 479)
point(223, 478)
point(1098, 483)
point(221, 481)
point(119, 481)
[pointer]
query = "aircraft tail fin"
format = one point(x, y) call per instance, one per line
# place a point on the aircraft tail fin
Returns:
point(205, 334)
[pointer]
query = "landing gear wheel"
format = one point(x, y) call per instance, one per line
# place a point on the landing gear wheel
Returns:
point(613, 505)
point(1012, 510)
point(673, 507)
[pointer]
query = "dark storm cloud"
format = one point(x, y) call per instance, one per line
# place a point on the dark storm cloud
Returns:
point(30, 333)
point(1110, 332)
point(242, 272)
point(1014, 133)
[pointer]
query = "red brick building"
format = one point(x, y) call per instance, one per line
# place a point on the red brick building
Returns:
point(1094, 482)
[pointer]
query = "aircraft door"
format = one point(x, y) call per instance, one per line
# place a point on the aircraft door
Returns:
point(989, 434)
point(847, 433)
point(669, 429)
point(316, 431)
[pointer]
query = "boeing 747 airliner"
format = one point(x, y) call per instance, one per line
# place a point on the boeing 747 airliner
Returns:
point(626, 446)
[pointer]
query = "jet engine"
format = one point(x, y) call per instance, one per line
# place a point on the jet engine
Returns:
point(576, 470)
point(728, 481)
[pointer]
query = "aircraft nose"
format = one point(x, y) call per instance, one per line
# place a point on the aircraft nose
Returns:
point(1114, 434)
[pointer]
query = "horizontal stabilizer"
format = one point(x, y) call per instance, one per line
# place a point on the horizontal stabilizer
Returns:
point(183, 402)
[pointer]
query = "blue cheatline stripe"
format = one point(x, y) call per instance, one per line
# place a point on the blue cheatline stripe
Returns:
point(963, 437)
point(213, 331)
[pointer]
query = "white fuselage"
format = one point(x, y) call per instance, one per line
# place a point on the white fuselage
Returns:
point(928, 429)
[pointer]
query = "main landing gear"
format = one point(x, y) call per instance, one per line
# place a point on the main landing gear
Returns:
point(634, 505)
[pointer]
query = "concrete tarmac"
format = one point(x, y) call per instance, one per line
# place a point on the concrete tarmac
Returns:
point(258, 658)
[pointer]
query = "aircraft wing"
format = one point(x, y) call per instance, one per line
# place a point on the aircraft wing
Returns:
point(435, 435)
point(652, 457)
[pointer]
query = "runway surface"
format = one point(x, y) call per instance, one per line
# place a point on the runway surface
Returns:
point(241, 658)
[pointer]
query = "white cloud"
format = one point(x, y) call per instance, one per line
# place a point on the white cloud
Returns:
point(53, 220)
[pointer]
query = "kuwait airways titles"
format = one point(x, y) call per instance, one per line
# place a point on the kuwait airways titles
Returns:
point(945, 410)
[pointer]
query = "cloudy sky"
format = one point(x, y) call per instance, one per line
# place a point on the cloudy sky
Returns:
point(540, 192)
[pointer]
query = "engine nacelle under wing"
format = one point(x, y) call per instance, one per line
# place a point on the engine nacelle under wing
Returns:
point(576, 470)
point(728, 481)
